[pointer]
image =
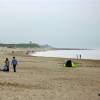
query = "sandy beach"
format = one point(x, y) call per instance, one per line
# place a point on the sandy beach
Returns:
point(41, 78)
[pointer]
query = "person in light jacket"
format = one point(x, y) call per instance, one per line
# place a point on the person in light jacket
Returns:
point(14, 63)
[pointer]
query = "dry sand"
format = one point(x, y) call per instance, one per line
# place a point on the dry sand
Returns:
point(40, 78)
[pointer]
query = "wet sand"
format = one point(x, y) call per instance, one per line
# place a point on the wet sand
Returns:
point(41, 78)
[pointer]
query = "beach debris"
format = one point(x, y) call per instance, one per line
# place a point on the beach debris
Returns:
point(99, 94)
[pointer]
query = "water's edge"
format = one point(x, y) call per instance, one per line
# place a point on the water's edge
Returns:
point(85, 54)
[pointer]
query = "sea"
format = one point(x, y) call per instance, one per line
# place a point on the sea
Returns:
point(85, 54)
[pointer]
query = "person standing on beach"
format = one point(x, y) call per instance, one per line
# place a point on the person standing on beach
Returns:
point(77, 56)
point(80, 56)
point(14, 63)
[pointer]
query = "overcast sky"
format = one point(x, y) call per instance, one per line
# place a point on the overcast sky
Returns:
point(59, 23)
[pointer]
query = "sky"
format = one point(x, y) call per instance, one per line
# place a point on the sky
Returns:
point(59, 23)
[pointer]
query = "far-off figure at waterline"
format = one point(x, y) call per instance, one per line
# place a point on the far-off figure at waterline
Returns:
point(80, 56)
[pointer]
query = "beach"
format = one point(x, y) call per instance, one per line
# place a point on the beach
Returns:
point(45, 78)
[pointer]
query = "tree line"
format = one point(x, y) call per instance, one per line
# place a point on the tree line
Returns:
point(20, 45)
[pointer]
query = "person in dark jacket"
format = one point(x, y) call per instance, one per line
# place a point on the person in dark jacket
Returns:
point(14, 63)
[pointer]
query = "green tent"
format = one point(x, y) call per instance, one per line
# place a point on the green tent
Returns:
point(69, 63)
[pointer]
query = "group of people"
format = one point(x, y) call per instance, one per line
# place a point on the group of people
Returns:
point(78, 56)
point(7, 63)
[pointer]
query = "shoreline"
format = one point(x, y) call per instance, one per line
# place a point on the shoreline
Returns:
point(65, 58)
point(23, 52)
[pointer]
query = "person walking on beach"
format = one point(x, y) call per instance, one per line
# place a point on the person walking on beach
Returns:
point(80, 56)
point(14, 63)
